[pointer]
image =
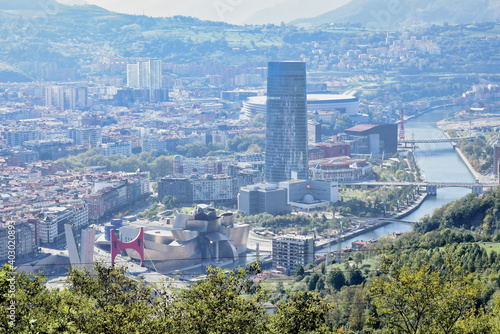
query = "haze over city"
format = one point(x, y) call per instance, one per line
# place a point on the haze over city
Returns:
point(231, 11)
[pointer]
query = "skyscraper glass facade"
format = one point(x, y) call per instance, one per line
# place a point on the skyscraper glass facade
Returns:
point(286, 132)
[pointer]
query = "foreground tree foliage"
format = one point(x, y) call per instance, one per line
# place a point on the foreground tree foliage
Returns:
point(304, 312)
point(417, 289)
point(105, 300)
point(223, 303)
point(418, 298)
point(468, 212)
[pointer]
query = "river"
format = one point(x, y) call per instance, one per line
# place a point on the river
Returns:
point(439, 162)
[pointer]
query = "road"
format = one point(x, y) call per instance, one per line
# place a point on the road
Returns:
point(265, 245)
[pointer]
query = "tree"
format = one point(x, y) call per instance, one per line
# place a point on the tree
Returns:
point(259, 120)
point(170, 201)
point(114, 301)
point(320, 284)
point(226, 302)
point(299, 271)
point(342, 123)
point(358, 258)
point(357, 316)
point(304, 312)
point(336, 279)
point(413, 298)
point(355, 277)
point(312, 282)
point(101, 301)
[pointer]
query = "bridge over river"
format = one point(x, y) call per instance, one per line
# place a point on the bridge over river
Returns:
point(435, 140)
point(413, 142)
point(429, 187)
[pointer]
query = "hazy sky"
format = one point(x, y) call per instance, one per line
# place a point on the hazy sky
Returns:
point(233, 11)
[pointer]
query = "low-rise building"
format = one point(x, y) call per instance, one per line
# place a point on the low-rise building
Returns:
point(123, 148)
point(25, 244)
point(198, 189)
point(310, 194)
point(263, 197)
point(340, 169)
point(52, 225)
point(375, 139)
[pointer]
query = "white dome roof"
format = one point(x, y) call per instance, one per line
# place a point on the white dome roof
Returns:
point(308, 198)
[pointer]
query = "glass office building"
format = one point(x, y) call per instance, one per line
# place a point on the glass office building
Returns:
point(286, 133)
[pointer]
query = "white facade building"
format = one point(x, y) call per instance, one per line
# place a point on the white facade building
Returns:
point(123, 148)
point(211, 188)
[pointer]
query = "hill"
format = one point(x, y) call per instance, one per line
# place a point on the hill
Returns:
point(29, 5)
point(293, 9)
point(381, 14)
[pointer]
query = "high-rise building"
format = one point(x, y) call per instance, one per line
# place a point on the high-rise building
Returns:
point(286, 132)
point(496, 158)
point(17, 137)
point(290, 251)
point(314, 130)
point(145, 75)
point(66, 97)
point(87, 136)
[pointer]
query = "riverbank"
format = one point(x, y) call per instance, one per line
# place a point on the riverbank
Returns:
point(426, 110)
point(478, 176)
point(411, 208)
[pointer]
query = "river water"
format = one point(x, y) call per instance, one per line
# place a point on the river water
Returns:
point(439, 162)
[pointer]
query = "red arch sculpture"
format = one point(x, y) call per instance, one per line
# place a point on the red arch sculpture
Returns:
point(117, 246)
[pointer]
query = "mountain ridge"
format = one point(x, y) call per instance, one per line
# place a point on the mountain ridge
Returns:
point(48, 5)
point(380, 14)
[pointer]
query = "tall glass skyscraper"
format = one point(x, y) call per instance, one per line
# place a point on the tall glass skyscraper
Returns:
point(286, 132)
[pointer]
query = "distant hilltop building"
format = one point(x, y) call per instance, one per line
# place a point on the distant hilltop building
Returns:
point(286, 130)
point(195, 239)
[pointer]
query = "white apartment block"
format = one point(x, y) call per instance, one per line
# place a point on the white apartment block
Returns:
point(211, 188)
point(123, 148)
